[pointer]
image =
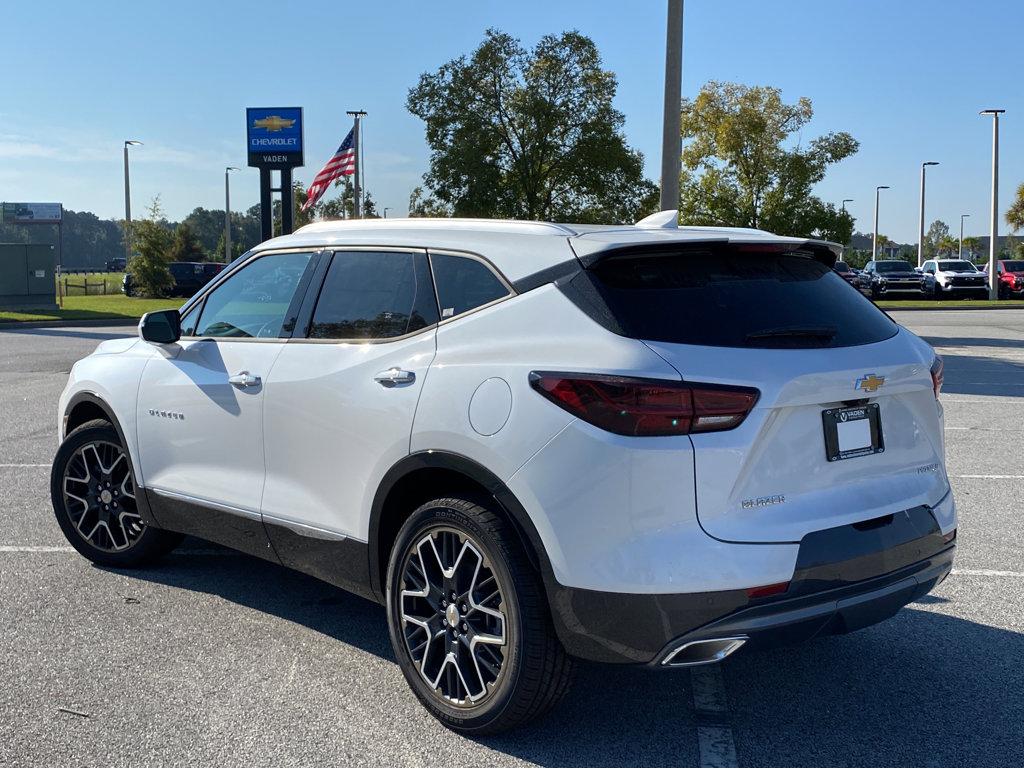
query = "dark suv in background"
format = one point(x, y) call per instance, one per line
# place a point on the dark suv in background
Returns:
point(892, 276)
point(188, 277)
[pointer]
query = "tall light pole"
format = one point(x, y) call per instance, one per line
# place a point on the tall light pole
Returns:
point(993, 279)
point(357, 193)
point(386, 209)
point(128, 203)
point(874, 241)
point(671, 141)
point(920, 229)
point(960, 250)
point(845, 201)
point(227, 214)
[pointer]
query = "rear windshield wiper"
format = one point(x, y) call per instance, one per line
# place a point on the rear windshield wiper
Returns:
point(821, 334)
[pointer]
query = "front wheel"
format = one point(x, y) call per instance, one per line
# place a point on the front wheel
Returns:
point(469, 620)
point(93, 493)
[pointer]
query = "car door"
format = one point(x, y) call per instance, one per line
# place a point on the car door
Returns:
point(929, 275)
point(340, 402)
point(200, 405)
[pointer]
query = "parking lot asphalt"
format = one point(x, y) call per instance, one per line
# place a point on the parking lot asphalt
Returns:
point(217, 658)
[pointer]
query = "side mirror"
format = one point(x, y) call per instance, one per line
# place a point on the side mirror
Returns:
point(161, 327)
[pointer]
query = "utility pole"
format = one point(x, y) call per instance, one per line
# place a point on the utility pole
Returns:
point(227, 214)
point(874, 241)
point(671, 141)
point(993, 279)
point(357, 144)
point(960, 250)
point(128, 204)
point(920, 229)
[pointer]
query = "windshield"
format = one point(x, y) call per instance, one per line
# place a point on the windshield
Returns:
point(1016, 265)
point(893, 267)
point(842, 267)
point(957, 265)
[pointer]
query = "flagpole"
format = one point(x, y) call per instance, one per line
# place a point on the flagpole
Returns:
point(357, 196)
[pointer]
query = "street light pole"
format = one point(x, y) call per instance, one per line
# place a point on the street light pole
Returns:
point(874, 241)
point(670, 133)
point(227, 214)
point(920, 229)
point(845, 201)
point(993, 279)
point(960, 249)
point(386, 209)
point(128, 204)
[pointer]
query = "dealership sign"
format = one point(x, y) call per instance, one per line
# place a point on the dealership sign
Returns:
point(274, 136)
point(32, 213)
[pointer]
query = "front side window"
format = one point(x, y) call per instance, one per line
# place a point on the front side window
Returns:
point(255, 302)
point(463, 284)
point(374, 295)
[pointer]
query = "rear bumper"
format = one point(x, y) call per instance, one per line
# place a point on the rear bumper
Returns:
point(846, 578)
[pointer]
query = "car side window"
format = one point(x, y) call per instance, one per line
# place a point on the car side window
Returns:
point(188, 320)
point(258, 301)
point(463, 284)
point(374, 295)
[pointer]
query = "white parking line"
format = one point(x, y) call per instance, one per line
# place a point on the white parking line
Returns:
point(988, 573)
point(992, 477)
point(66, 549)
point(25, 465)
point(715, 742)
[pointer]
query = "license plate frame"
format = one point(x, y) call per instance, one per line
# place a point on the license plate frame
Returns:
point(832, 419)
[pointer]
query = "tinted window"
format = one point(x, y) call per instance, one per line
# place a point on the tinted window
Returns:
point(842, 267)
point(255, 301)
point(725, 298)
point(374, 295)
point(1013, 266)
point(463, 284)
point(957, 265)
point(893, 267)
point(188, 321)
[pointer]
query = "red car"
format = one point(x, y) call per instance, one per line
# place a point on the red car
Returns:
point(1011, 278)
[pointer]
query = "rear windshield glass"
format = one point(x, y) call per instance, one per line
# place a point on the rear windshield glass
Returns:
point(957, 266)
point(893, 267)
point(725, 298)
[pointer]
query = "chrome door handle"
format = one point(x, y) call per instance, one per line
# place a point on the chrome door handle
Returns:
point(244, 379)
point(395, 376)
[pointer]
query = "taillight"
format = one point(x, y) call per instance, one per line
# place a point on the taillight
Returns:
point(937, 368)
point(764, 591)
point(629, 406)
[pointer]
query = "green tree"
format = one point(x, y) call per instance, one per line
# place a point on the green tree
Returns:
point(299, 217)
point(938, 232)
point(185, 246)
point(741, 169)
point(343, 206)
point(421, 204)
point(529, 134)
point(1015, 216)
point(152, 244)
point(972, 248)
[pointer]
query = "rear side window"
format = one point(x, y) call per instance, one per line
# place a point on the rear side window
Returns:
point(374, 295)
point(463, 284)
point(727, 298)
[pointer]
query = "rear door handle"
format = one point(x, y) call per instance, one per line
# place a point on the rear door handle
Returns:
point(244, 379)
point(395, 376)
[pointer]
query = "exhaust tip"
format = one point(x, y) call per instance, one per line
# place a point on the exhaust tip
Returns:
point(703, 652)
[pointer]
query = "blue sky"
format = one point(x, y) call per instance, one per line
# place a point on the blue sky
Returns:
point(905, 77)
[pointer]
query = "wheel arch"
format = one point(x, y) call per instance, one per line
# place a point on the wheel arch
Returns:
point(426, 475)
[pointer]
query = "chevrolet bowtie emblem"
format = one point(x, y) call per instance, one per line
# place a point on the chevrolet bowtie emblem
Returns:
point(273, 123)
point(869, 383)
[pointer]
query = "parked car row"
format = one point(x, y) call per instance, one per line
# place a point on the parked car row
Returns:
point(937, 278)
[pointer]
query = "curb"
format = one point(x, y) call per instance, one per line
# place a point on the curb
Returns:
point(13, 324)
point(949, 309)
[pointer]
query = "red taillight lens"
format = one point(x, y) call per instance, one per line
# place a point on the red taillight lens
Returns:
point(764, 591)
point(937, 368)
point(628, 406)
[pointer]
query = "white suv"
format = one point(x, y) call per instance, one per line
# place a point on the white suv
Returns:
point(531, 442)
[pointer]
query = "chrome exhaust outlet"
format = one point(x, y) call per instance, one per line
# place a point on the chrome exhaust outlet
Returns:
point(703, 652)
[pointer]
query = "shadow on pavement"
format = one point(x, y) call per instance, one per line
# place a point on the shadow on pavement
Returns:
point(920, 689)
point(70, 332)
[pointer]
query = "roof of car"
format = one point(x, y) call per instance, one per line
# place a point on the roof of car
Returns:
point(517, 248)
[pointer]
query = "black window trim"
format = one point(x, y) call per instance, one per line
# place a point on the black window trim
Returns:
point(509, 289)
point(305, 323)
point(303, 287)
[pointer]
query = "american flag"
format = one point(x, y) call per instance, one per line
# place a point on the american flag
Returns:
point(342, 163)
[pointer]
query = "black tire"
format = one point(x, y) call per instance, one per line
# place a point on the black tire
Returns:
point(534, 672)
point(126, 541)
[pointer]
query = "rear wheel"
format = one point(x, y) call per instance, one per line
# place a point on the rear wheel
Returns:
point(469, 621)
point(92, 489)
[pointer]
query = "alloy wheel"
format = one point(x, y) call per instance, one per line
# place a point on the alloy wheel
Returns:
point(453, 619)
point(99, 496)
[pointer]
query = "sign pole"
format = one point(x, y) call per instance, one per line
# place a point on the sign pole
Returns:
point(287, 202)
point(274, 137)
point(357, 144)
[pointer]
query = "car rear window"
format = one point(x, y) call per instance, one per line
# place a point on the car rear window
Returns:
point(729, 298)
